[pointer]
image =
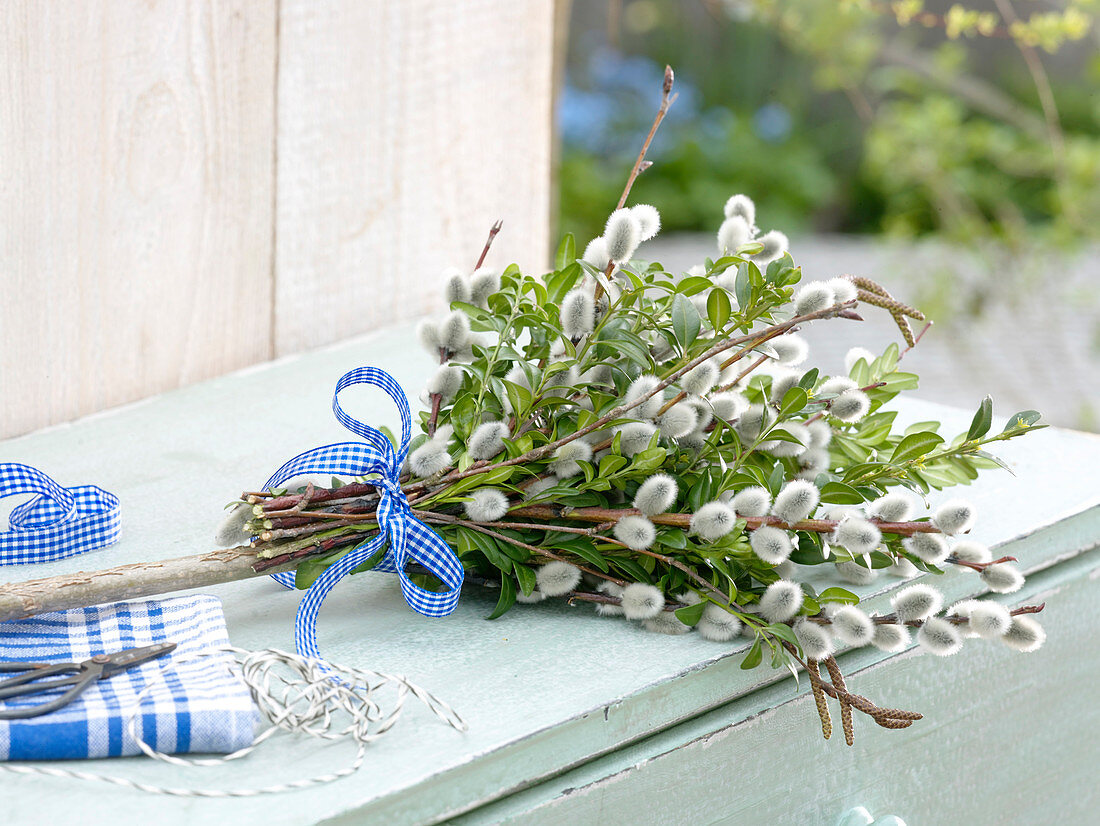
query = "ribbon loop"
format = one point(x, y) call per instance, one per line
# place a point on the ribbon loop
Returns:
point(57, 523)
point(400, 536)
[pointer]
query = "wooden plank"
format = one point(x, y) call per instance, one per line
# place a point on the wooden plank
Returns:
point(1008, 738)
point(544, 688)
point(136, 165)
point(405, 130)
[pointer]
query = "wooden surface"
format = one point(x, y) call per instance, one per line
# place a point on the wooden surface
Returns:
point(136, 186)
point(576, 718)
point(187, 187)
point(405, 130)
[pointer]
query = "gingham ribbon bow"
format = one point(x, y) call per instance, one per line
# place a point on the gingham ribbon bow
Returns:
point(58, 522)
point(406, 535)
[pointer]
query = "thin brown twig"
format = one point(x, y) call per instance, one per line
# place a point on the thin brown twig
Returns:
point(493, 230)
point(486, 466)
point(667, 99)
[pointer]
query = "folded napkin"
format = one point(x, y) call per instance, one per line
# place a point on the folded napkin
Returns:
point(197, 706)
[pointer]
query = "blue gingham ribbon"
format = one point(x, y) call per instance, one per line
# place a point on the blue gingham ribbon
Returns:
point(58, 522)
point(406, 535)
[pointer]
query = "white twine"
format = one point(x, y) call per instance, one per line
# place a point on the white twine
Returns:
point(320, 700)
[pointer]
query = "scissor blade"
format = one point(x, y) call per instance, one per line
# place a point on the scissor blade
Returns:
point(135, 656)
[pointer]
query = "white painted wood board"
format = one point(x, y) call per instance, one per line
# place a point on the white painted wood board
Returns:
point(188, 187)
point(136, 187)
point(545, 689)
point(405, 130)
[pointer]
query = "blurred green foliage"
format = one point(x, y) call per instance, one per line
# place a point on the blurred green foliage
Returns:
point(909, 117)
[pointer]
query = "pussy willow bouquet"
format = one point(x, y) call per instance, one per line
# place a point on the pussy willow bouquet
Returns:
point(655, 443)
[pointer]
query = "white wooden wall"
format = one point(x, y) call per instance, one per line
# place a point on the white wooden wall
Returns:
point(190, 187)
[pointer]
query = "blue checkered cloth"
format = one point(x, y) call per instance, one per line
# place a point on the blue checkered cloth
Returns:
point(58, 522)
point(401, 536)
point(196, 706)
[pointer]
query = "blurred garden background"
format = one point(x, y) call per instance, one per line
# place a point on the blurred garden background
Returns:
point(950, 151)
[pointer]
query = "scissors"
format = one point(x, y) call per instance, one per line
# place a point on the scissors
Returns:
point(99, 667)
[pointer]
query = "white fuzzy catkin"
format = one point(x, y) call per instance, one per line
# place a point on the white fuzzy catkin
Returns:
point(1002, 578)
point(454, 332)
point(557, 578)
point(703, 413)
point(678, 421)
point(728, 405)
point(856, 535)
point(850, 406)
point(427, 331)
point(820, 434)
point(903, 569)
point(656, 494)
point(812, 297)
point(784, 447)
point(796, 501)
point(940, 637)
point(775, 245)
point(483, 283)
point(781, 601)
point(990, 620)
point(792, 349)
point(567, 457)
point(783, 379)
point(635, 437)
point(533, 598)
point(636, 532)
point(916, 602)
point(488, 440)
point(741, 205)
point(813, 462)
point(486, 505)
point(231, 532)
point(843, 289)
point(717, 624)
point(607, 609)
point(969, 551)
point(533, 490)
point(445, 381)
point(930, 547)
point(815, 640)
point(854, 355)
point(642, 601)
point(852, 626)
point(954, 516)
point(578, 313)
point(638, 388)
point(713, 521)
point(429, 459)
point(455, 286)
point(665, 623)
point(699, 380)
point(517, 376)
point(751, 422)
point(893, 507)
point(754, 501)
point(649, 220)
point(1025, 634)
point(734, 233)
point(693, 440)
point(623, 233)
point(771, 544)
point(963, 609)
point(891, 638)
point(596, 254)
point(836, 385)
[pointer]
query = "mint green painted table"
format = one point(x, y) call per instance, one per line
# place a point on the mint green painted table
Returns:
point(578, 719)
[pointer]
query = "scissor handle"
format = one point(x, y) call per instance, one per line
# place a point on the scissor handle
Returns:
point(31, 683)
